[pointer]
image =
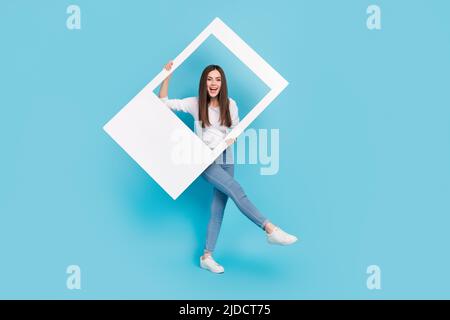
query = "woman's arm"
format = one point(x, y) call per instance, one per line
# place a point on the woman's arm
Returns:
point(164, 89)
point(234, 113)
point(189, 105)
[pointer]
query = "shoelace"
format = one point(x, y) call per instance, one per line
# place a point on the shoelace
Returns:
point(214, 262)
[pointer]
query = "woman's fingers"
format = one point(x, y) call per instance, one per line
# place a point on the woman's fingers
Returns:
point(230, 141)
point(168, 65)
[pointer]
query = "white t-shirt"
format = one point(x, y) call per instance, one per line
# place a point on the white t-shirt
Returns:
point(215, 133)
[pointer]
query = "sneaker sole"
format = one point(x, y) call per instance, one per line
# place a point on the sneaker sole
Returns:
point(282, 244)
point(208, 269)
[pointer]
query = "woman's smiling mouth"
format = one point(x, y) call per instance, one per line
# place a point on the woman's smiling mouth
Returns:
point(213, 91)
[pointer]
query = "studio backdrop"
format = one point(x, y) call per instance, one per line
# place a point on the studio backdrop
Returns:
point(344, 141)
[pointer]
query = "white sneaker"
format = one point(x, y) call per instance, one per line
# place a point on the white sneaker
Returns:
point(209, 264)
point(280, 237)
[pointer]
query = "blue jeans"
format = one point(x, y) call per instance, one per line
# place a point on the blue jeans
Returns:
point(221, 176)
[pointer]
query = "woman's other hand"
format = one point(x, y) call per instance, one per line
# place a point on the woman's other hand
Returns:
point(230, 141)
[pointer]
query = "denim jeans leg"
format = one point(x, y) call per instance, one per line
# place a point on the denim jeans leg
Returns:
point(215, 220)
point(218, 204)
point(223, 181)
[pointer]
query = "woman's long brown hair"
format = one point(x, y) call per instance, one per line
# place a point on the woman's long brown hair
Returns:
point(204, 99)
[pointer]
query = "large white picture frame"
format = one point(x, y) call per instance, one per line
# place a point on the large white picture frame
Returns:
point(145, 127)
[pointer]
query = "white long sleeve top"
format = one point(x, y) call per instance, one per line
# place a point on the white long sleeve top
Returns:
point(214, 134)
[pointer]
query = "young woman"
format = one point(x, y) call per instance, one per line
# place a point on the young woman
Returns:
point(217, 114)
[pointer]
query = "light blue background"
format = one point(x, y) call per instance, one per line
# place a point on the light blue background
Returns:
point(364, 153)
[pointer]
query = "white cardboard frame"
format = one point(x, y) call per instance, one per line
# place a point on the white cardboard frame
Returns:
point(144, 127)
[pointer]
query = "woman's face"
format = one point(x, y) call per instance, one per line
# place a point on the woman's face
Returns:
point(213, 83)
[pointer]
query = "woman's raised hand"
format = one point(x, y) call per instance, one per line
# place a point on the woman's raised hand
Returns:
point(164, 89)
point(168, 65)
